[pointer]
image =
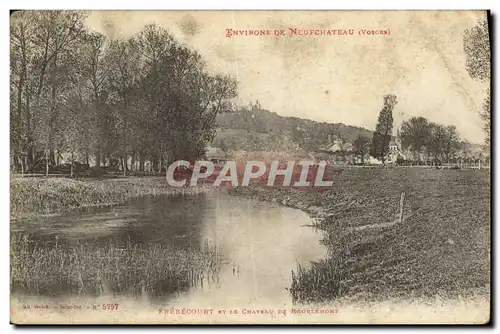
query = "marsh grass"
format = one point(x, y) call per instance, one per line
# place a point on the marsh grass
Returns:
point(318, 283)
point(46, 196)
point(84, 269)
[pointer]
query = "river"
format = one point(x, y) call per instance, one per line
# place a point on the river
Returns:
point(258, 243)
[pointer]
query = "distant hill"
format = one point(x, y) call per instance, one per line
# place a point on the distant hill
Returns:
point(265, 130)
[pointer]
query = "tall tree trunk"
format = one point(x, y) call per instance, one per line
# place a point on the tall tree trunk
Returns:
point(71, 168)
point(49, 153)
point(132, 162)
point(124, 165)
point(46, 162)
point(30, 158)
point(98, 159)
point(31, 153)
point(141, 162)
point(160, 163)
point(59, 157)
point(21, 160)
point(52, 155)
point(22, 77)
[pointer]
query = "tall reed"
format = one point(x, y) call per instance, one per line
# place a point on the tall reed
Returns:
point(92, 269)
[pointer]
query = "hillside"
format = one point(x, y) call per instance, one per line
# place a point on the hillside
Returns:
point(265, 130)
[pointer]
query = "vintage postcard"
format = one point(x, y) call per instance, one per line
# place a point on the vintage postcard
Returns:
point(250, 167)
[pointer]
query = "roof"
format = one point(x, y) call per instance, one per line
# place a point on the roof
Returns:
point(321, 154)
point(215, 152)
point(335, 147)
point(348, 146)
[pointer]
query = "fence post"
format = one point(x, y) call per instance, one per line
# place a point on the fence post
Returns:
point(401, 203)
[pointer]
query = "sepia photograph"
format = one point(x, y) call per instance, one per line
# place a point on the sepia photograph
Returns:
point(250, 167)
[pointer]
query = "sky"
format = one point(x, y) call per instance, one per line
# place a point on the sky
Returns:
point(332, 78)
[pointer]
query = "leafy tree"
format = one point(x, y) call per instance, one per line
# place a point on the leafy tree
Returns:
point(75, 91)
point(415, 135)
point(383, 131)
point(122, 60)
point(95, 70)
point(361, 147)
point(437, 137)
point(477, 51)
point(486, 117)
point(42, 46)
point(478, 59)
point(21, 54)
point(451, 142)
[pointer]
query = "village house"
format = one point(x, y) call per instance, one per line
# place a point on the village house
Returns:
point(395, 151)
point(216, 155)
point(341, 152)
point(320, 155)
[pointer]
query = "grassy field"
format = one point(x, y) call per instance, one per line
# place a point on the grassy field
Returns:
point(442, 247)
point(31, 196)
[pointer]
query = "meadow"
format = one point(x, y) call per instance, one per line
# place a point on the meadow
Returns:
point(440, 248)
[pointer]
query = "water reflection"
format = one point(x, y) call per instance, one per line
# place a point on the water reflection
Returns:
point(210, 248)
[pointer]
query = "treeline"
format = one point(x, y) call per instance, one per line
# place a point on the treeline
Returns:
point(420, 139)
point(144, 98)
point(428, 140)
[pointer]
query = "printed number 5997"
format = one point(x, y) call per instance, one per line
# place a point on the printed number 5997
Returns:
point(110, 307)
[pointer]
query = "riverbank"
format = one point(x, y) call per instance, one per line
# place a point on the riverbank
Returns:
point(90, 269)
point(38, 196)
point(310, 201)
point(160, 240)
point(440, 248)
